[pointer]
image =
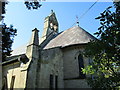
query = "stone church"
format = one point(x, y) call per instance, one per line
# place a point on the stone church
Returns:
point(52, 61)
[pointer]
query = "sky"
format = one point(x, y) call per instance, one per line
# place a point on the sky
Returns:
point(25, 20)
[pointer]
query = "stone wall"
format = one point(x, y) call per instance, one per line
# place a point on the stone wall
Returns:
point(71, 66)
point(51, 63)
point(14, 69)
point(76, 83)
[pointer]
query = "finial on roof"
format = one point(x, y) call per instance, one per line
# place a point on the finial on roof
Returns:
point(77, 22)
point(51, 11)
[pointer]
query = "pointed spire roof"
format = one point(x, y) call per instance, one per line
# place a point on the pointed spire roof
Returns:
point(34, 38)
point(71, 36)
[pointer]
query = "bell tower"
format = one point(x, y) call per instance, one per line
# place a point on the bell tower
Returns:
point(50, 26)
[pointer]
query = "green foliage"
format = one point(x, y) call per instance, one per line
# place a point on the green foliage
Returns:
point(88, 70)
point(3, 7)
point(105, 51)
point(34, 4)
point(8, 34)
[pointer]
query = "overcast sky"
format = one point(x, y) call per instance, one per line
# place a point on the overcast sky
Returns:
point(25, 20)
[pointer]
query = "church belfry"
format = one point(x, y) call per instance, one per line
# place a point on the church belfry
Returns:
point(50, 26)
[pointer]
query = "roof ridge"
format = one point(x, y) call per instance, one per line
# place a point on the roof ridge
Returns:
point(73, 35)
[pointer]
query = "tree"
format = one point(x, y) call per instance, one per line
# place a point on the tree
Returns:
point(105, 51)
point(8, 34)
point(32, 4)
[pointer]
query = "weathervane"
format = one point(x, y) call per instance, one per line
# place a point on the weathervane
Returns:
point(77, 22)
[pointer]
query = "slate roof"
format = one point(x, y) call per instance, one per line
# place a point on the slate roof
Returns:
point(72, 36)
point(20, 50)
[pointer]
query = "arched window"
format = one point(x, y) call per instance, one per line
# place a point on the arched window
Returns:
point(81, 65)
